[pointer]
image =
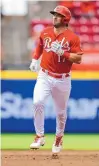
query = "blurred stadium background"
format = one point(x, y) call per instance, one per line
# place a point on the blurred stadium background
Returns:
point(21, 23)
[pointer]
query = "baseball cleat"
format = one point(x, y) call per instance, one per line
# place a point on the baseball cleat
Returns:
point(38, 142)
point(57, 146)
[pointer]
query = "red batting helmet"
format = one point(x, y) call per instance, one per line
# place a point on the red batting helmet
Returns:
point(64, 11)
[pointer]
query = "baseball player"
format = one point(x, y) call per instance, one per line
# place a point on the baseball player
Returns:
point(60, 48)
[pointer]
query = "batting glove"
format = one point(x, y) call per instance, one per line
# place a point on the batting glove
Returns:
point(57, 48)
point(34, 65)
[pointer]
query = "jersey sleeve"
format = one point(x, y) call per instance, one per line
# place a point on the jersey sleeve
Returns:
point(39, 49)
point(76, 45)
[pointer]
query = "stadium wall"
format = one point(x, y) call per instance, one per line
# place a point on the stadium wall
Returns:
point(17, 109)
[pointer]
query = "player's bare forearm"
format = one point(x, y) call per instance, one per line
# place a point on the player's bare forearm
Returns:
point(74, 57)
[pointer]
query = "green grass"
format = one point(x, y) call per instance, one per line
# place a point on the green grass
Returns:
point(71, 141)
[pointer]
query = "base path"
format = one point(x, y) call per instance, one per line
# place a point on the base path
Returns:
point(44, 158)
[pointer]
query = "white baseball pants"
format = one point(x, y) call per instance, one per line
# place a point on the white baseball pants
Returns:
point(59, 89)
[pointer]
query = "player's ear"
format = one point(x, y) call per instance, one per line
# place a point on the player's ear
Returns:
point(64, 20)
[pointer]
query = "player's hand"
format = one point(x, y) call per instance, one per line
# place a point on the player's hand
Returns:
point(34, 65)
point(56, 48)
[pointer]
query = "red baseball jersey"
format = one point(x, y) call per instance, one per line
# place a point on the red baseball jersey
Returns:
point(50, 61)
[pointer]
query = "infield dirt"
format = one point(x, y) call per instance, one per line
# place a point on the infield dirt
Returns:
point(44, 158)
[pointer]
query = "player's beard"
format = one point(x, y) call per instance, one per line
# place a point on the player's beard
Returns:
point(58, 25)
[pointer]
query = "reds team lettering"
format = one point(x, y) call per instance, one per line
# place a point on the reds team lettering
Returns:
point(64, 44)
